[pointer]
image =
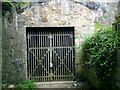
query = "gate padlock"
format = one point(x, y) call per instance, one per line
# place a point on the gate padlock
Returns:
point(51, 65)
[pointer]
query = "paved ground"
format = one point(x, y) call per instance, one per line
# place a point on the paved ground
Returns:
point(63, 84)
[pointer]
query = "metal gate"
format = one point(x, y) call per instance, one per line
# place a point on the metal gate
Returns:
point(50, 53)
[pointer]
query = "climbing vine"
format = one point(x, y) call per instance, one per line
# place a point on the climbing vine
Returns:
point(99, 51)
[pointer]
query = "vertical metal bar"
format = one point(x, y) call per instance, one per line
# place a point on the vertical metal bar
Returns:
point(58, 63)
point(41, 51)
point(31, 54)
point(73, 53)
point(53, 68)
point(59, 54)
point(71, 62)
point(31, 57)
point(35, 54)
point(43, 55)
point(46, 58)
point(72, 46)
point(35, 57)
point(66, 52)
point(70, 54)
point(28, 64)
point(58, 72)
point(28, 59)
point(36, 74)
point(51, 56)
point(38, 57)
point(55, 62)
point(32, 63)
point(39, 60)
point(63, 55)
point(40, 78)
point(66, 60)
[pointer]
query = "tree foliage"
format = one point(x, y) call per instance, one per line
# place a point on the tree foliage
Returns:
point(10, 6)
point(100, 52)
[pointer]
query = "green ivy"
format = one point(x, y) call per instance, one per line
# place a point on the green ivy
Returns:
point(100, 51)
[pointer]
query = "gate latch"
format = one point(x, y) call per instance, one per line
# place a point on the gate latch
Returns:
point(50, 36)
point(51, 65)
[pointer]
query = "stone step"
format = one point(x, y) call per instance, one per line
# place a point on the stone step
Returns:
point(62, 84)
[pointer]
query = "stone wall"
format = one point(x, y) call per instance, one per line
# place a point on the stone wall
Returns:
point(14, 49)
point(55, 13)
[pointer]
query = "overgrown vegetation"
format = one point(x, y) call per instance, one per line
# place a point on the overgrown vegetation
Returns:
point(5, 84)
point(116, 26)
point(26, 84)
point(99, 51)
point(8, 6)
point(22, 85)
point(117, 18)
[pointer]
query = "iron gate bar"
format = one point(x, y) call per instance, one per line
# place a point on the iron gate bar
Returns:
point(60, 58)
point(28, 59)
point(38, 62)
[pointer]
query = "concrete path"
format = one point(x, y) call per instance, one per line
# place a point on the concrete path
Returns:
point(63, 84)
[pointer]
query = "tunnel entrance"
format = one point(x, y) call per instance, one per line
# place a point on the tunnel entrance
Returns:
point(50, 54)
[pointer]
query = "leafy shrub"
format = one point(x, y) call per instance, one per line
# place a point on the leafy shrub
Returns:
point(99, 52)
point(26, 84)
point(117, 18)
